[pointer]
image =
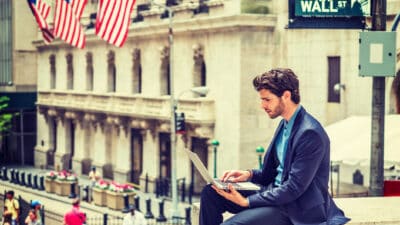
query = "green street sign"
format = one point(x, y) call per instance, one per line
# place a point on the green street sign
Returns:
point(332, 8)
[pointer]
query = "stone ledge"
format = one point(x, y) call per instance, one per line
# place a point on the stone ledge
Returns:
point(362, 211)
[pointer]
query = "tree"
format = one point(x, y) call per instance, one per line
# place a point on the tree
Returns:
point(5, 118)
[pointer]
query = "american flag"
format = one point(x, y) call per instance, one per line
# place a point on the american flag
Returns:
point(113, 19)
point(66, 22)
point(41, 10)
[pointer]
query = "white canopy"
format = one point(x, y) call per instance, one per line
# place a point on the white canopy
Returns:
point(351, 140)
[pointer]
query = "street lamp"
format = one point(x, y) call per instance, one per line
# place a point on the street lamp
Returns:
point(215, 144)
point(260, 152)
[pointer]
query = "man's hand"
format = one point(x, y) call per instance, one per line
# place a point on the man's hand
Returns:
point(232, 195)
point(236, 176)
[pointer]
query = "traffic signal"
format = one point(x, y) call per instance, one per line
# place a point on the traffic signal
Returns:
point(180, 126)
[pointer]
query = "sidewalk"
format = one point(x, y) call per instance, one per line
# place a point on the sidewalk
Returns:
point(84, 180)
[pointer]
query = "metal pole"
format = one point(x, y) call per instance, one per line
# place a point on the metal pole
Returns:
point(378, 11)
point(22, 137)
point(175, 211)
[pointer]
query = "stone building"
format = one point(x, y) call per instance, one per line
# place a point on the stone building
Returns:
point(109, 107)
point(18, 81)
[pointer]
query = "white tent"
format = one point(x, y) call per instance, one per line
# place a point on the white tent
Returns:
point(351, 145)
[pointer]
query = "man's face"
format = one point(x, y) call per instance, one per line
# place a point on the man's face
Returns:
point(272, 104)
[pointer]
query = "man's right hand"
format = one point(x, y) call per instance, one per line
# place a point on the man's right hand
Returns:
point(236, 176)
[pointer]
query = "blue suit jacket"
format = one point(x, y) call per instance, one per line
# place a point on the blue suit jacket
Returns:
point(304, 189)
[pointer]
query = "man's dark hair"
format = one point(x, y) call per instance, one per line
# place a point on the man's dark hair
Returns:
point(278, 81)
point(10, 193)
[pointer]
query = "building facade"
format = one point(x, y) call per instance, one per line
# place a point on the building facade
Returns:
point(18, 70)
point(109, 107)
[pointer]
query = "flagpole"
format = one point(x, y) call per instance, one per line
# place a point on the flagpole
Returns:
point(173, 105)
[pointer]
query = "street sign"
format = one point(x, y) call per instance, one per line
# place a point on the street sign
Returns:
point(329, 14)
point(377, 54)
point(332, 8)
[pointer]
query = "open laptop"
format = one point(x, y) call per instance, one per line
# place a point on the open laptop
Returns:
point(217, 182)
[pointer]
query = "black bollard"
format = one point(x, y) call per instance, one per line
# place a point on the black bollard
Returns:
point(17, 177)
point(72, 192)
point(137, 203)
point(12, 176)
point(35, 183)
point(149, 214)
point(126, 204)
point(23, 179)
point(5, 175)
point(41, 183)
point(191, 190)
point(157, 189)
point(188, 216)
point(85, 195)
point(29, 180)
point(161, 217)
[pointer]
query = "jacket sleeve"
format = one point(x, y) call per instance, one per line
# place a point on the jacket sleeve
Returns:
point(308, 154)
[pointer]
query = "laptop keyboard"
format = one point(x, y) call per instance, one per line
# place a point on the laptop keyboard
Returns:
point(225, 184)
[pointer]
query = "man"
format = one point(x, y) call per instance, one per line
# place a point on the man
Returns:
point(134, 217)
point(93, 176)
point(12, 206)
point(294, 177)
point(75, 216)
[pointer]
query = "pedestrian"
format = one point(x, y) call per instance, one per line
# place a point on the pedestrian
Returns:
point(93, 176)
point(12, 205)
point(134, 217)
point(75, 216)
point(295, 173)
point(32, 218)
point(6, 216)
point(36, 206)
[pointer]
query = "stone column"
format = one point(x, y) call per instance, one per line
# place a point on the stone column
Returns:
point(99, 148)
point(79, 151)
point(42, 140)
point(61, 151)
point(123, 157)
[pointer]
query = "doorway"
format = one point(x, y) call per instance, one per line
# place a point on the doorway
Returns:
point(137, 155)
point(165, 155)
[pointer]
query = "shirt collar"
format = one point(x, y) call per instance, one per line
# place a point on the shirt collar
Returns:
point(289, 125)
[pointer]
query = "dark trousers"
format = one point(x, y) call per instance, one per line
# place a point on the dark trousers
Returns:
point(212, 206)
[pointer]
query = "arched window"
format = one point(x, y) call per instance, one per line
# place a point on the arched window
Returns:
point(137, 71)
point(52, 60)
point(89, 71)
point(70, 72)
point(199, 67)
point(112, 72)
point(165, 77)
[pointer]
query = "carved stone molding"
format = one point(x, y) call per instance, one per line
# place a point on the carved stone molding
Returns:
point(198, 53)
point(164, 53)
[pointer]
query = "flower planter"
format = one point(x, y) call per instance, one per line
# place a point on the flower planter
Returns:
point(63, 188)
point(115, 200)
point(48, 185)
point(99, 197)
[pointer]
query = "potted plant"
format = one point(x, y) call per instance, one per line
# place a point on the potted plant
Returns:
point(116, 193)
point(99, 192)
point(63, 181)
point(49, 180)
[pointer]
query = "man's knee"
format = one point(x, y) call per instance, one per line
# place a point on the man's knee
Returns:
point(207, 191)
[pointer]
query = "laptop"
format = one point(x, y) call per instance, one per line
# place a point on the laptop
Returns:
point(243, 186)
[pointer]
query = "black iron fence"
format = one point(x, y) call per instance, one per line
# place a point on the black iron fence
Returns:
point(162, 190)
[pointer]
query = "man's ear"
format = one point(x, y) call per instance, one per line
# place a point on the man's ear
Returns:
point(287, 95)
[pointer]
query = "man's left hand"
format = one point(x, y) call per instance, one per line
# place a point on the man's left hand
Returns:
point(232, 195)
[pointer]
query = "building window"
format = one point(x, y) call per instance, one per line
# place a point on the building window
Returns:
point(199, 69)
point(89, 71)
point(165, 76)
point(52, 60)
point(137, 72)
point(70, 72)
point(334, 79)
point(112, 72)
point(5, 43)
